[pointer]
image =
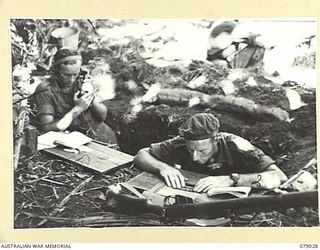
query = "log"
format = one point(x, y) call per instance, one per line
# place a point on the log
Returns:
point(244, 105)
point(232, 103)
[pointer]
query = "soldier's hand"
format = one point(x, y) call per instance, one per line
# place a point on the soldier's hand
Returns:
point(84, 101)
point(207, 183)
point(173, 177)
point(87, 86)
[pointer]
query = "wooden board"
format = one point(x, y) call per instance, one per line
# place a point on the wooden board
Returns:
point(100, 158)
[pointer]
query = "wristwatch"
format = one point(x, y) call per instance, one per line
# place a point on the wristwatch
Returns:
point(235, 177)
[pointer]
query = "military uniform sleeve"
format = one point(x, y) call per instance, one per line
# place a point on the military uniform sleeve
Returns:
point(164, 151)
point(43, 102)
point(251, 158)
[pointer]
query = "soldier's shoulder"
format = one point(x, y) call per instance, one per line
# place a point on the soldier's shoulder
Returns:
point(178, 142)
point(44, 85)
point(237, 143)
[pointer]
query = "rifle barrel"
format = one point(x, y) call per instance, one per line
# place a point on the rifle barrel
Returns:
point(247, 205)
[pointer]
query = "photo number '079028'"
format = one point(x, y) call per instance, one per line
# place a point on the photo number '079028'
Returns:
point(309, 246)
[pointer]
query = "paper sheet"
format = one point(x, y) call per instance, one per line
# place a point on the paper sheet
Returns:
point(73, 140)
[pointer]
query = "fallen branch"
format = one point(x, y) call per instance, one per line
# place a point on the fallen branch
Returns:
point(111, 219)
point(18, 134)
point(66, 200)
point(54, 182)
point(84, 220)
point(91, 189)
point(93, 27)
point(38, 179)
point(23, 194)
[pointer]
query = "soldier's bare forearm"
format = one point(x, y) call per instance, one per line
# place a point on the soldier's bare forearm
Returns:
point(265, 180)
point(145, 161)
point(99, 110)
point(63, 123)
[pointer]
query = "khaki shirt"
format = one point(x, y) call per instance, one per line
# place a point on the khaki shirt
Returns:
point(235, 155)
point(51, 99)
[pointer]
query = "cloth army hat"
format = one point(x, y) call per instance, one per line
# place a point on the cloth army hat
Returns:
point(200, 126)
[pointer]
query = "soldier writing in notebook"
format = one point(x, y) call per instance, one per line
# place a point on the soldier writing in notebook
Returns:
point(228, 159)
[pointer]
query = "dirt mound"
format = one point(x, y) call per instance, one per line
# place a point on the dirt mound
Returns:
point(291, 142)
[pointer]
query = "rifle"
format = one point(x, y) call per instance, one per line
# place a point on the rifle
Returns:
point(215, 209)
point(241, 206)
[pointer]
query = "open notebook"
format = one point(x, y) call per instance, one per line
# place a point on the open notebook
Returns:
point(70, 140)
point(226, 192)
